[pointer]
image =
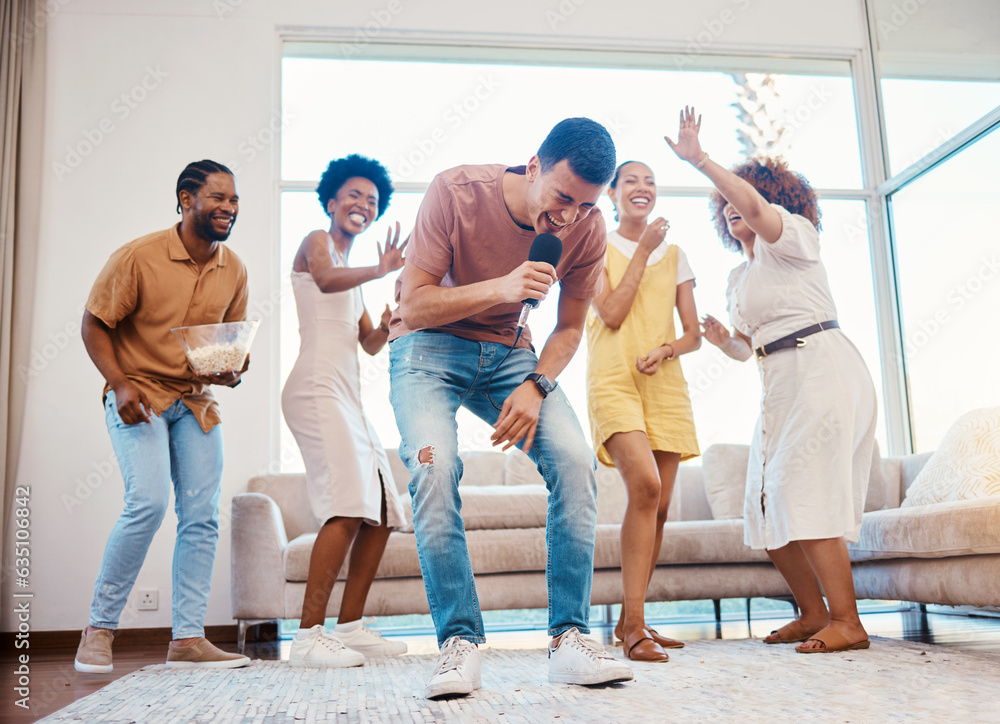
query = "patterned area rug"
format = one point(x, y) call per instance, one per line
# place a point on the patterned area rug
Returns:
point(740, 680)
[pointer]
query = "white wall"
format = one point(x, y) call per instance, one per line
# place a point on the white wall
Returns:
point(210, 75)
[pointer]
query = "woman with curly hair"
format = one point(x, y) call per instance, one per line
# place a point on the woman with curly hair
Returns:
point(813, 444)
point(640, 412)
point(351, 489)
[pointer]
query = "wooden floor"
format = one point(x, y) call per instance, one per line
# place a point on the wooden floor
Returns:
point(54, 683)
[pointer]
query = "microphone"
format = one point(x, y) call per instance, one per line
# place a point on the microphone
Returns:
point(545, 247)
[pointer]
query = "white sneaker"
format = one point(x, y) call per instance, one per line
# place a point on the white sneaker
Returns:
point(370, 642)
point(320, 649)
point(578, 659)
point(457, 671)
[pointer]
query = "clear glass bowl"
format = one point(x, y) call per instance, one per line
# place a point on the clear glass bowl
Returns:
point(217, 348)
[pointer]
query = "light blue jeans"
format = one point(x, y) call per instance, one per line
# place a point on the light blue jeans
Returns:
point(432, 375)
point(170, 451)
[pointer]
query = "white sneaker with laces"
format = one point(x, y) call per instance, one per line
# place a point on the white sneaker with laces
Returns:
point(319, 649)
point(578, 659)
point(457, 672)
point(370, 642)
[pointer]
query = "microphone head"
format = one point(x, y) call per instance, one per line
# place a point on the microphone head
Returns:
point(546, 247)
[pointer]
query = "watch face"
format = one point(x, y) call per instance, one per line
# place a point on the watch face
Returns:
point(544, 383)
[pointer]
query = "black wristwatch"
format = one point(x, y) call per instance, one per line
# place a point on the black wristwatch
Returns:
point(544, 384)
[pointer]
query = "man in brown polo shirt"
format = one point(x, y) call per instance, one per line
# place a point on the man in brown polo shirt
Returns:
point(163, 419)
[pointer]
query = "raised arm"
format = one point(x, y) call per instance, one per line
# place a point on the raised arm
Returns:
point(756, 213)
point(315, 252)
point(613, 305)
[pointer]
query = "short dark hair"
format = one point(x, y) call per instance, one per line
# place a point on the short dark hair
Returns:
point(340, 169)
point(585, 144)
point(195, 174)
point(778, 184)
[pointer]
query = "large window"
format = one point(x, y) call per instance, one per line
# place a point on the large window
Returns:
point(419, 117)
point(949, 271)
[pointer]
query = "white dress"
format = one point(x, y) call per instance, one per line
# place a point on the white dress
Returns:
point(812, 447)
point(321, 402)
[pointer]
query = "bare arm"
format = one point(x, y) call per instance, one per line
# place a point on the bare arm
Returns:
point(425, 303)
point(688, 342)
point(373, 338)
point(133, 406)
point(613, 305)
point(756, 213)
point(519, 416)
point(736, 345)
point(314, 255)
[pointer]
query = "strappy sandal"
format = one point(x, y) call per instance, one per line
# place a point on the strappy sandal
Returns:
point(832, 642)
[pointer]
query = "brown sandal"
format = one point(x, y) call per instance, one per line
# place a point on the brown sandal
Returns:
point(640, 646)
point(663, 641)
point(776, 637)
point(831, 642)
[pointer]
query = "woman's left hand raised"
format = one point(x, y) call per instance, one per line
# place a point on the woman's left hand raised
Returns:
point(390, 258)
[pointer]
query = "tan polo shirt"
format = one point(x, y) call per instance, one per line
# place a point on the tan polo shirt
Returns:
point(149, 286)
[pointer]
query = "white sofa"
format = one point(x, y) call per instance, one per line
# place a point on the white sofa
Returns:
point(947, 553)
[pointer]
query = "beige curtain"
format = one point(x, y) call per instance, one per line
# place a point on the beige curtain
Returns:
point(22, 73)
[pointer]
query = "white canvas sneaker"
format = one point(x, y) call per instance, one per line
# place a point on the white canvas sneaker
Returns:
point(578, 659)
point(320, 649)
point(370, 642)
point(457, 672)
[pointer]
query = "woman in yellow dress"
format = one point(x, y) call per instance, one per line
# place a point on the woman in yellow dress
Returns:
point(640, 412)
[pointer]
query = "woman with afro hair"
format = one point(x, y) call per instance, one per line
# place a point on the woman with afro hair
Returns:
point(351, 489)
point(813, 444)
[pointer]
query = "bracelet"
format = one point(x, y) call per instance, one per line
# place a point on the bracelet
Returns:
point(383, 329)
point(702, 160)
point(671, 351)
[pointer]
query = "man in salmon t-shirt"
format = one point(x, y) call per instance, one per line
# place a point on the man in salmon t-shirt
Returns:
point(460, 296)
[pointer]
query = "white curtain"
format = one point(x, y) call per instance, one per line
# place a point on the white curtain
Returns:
point(22, 73)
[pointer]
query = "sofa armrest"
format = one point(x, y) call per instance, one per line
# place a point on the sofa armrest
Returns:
point(258, 545)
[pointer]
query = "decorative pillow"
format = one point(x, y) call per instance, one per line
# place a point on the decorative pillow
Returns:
point(876, 497)
point(724, 470)
point(965, 466)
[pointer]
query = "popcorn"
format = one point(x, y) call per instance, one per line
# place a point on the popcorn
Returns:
point(214, 359)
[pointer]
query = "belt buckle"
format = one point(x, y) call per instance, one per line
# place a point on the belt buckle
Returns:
point(759, 352)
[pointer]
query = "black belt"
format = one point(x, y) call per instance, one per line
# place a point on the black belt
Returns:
point(796, 339)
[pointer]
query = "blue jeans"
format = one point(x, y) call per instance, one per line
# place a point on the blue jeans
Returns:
point(432, 375)
point(170, 451)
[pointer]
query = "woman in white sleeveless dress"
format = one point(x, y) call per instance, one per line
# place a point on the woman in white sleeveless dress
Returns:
point(812, 448)
point(351, 489)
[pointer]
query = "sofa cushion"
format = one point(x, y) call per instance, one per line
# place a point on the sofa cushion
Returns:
point(724, 470)
point(965, 466)
point(967, 527)
point(399, 560)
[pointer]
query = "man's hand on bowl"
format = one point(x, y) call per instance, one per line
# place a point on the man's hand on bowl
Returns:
point(227, 379)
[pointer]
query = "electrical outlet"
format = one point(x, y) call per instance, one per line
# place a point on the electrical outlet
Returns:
point(149, 600)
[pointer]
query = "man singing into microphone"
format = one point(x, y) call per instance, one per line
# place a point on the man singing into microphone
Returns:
point(460, 294)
